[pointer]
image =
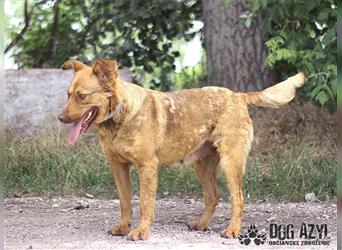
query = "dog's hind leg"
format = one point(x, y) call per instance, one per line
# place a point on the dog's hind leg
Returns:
point(206, 170)
point(233, 152)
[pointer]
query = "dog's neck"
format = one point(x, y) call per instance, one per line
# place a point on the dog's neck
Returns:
point(115, 112)
point(130, 99)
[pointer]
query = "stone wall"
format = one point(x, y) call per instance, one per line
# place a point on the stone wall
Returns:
point(33, 98)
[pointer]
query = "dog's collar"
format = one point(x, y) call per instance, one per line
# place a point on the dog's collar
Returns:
point(115, 112)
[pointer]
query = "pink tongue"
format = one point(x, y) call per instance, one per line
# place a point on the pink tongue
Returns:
point(76, 130)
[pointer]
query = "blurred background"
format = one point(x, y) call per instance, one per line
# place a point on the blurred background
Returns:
point(171, 45)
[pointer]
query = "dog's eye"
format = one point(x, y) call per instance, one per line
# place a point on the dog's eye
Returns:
point(81, 96)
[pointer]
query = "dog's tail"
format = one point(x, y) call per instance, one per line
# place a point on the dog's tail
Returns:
point(277, 95)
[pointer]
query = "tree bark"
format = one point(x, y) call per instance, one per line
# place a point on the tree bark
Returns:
point(51, 46)
point(235, 54)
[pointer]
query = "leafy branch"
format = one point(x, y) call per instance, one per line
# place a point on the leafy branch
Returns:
point(27, 21)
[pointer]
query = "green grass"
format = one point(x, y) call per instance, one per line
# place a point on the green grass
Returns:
point(46, 165)
point(290, 174)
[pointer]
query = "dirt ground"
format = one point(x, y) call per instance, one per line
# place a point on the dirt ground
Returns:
point(82, 223)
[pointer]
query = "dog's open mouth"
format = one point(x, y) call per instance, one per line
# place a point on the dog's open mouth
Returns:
point(82, 124)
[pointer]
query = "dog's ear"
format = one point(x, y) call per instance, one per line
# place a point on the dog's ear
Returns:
point(106, 71)
point(73, 64)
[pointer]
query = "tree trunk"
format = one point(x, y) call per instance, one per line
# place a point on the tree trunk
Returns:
point(235, 54)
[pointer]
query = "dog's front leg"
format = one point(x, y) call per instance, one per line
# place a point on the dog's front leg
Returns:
point(148, 177)
point(123, 186)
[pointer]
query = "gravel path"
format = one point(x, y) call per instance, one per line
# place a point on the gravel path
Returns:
point(82, 223)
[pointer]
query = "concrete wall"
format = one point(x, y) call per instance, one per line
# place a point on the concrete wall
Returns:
point(33, 98)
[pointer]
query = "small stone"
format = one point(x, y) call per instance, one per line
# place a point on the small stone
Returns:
point(259, 201)
point(89, 196)
point(30, 247)
point(81, 206)
point(166, 193)
point(189, 201)
point(55, 205)
point(17, 195)
point(270, 219)
point(310, 197)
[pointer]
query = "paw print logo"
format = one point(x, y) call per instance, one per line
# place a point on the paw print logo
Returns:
point(260, 239)
point(252, 235)
point(252, 231)
point(244, 239)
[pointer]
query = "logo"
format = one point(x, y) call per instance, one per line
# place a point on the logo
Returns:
point(252, 235)
point(305, 235)
point(288, 235)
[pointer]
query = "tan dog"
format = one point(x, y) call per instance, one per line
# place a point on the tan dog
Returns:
point(148, 129)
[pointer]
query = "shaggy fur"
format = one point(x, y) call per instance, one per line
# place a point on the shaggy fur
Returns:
point(210, 126)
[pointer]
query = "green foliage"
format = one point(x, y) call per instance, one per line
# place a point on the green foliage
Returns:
point(184, 78)
point(190, 77)
point(46, 165)
point(302, 35)
point(136, 32)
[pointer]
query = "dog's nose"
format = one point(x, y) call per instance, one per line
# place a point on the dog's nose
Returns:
point(63, 118)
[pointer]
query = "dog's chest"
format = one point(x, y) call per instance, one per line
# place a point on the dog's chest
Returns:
point(119, 148)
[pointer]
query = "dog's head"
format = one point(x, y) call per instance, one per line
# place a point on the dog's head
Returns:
point(92, 93)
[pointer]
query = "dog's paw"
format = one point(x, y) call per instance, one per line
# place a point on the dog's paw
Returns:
point(119, 230)
point(140, 233)
point(231, 232)
point(197, 225)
